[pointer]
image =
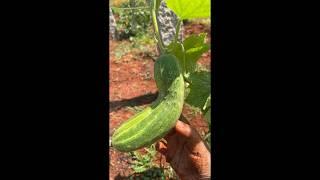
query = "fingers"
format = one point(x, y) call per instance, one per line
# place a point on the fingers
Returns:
point(161, 147)
point(183, 129)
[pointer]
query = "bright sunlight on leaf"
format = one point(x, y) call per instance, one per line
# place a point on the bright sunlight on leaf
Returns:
point(190, 9)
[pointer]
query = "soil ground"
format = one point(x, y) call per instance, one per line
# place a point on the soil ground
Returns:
point(132, 87)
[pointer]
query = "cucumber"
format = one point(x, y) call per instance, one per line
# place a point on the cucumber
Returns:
point(154, 122)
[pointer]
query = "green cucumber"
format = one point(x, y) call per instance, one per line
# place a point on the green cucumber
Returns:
point(154, 122)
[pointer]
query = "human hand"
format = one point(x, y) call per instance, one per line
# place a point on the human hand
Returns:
point(186, 153)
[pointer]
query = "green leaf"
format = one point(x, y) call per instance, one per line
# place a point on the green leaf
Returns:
point(138, 155)
point(194, 41)
point(176, 49)
point(151, 150)
point(190, 9)
point(194, 47)
point(200, 88)
point(146, 158)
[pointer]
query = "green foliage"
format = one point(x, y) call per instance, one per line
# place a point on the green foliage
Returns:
point(189, 9)
point(198, 93)
point(144, 167)
point(132, 22)
point(194, 47)
point(144, 44)
point(200, 97)
point(199, 89)
point(143, 162)
point(189, 52)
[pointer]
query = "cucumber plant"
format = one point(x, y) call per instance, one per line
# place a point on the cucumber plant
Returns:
point(175, 73)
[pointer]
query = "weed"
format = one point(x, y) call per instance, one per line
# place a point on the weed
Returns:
point(145, 168)
point(143, 162)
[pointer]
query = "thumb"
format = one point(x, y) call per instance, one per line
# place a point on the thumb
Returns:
point(162, 147)
point(184, 129)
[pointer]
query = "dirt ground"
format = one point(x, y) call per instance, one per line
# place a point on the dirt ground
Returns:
point(132, 85)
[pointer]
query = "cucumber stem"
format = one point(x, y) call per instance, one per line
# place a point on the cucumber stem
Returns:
point(156, 27)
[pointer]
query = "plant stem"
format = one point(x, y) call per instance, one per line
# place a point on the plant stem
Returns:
point(156, 27)
point(183, 60)
point(177, 30)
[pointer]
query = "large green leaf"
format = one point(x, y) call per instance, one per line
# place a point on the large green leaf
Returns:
point(194, 47)
point(193, 41)
point(190, 51)
point(200, 89)
point(190, 9)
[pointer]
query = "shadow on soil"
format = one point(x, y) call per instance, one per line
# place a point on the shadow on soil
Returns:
point(152, 173)
point(137, 101)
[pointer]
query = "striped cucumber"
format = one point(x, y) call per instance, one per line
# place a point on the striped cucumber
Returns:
point(154, 122)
